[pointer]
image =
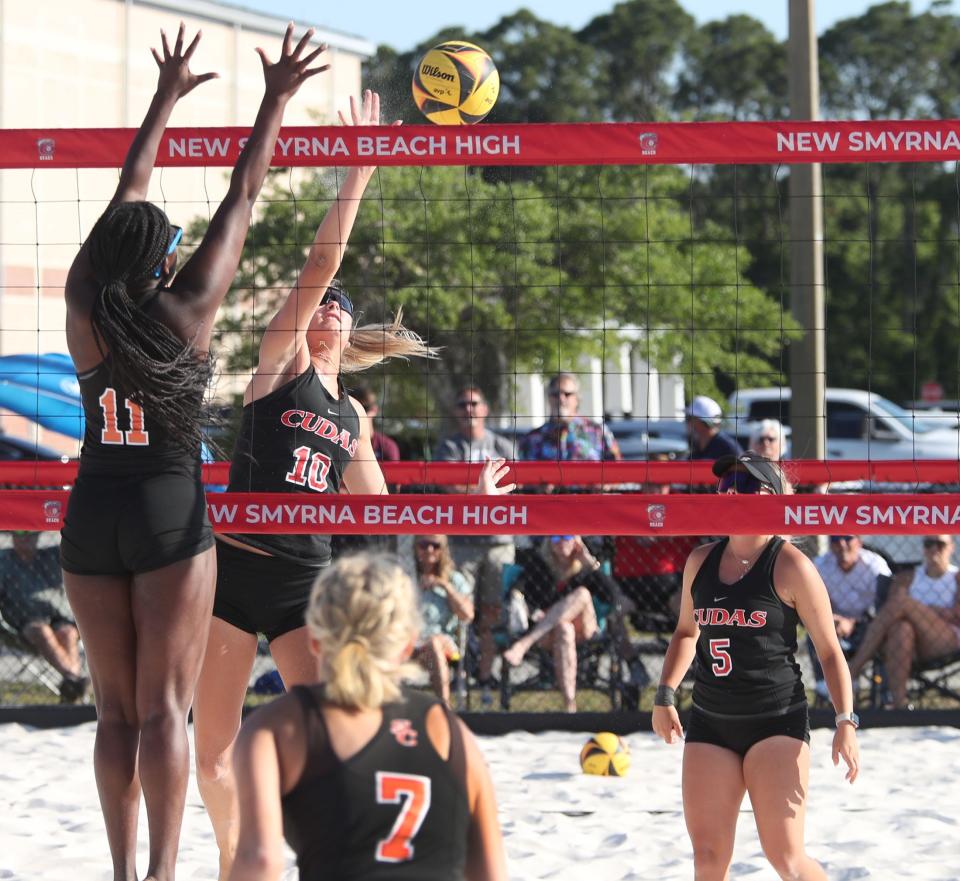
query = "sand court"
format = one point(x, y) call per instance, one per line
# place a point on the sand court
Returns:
point(900, 820)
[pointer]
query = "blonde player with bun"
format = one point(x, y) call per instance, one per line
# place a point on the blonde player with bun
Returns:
point(364, 779)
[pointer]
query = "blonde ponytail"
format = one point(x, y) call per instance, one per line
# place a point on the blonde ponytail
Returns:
point(371, 344)
point(363, 613)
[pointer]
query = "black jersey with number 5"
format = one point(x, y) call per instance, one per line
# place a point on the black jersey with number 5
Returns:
point(296, 439)
point(746, 652)
point(119, 437)
point(395, 810)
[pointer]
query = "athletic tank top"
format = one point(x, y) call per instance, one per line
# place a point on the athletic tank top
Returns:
point(296, 439)
point(119, 438)
point(938, 592)
point(395, 810)
point(746, 652)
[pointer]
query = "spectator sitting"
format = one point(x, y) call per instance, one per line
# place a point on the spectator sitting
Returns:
point(856, 579)
point(919, 621)
point(384, 448)
point(566, 436)
point(768, 439)
point(558, 583)
point(444, 603)
point(480, 557)
point(707, 441)
point(27, 573)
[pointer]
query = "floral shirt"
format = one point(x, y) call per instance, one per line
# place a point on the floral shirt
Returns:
point(578, 440)
point(435, 611)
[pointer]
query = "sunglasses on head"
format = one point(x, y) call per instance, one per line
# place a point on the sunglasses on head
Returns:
point(934, 543)
point(741, 482)
point(174, 241)
point(333, 295)
point(426, 543)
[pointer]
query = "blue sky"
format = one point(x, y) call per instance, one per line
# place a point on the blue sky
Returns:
point(400, 24)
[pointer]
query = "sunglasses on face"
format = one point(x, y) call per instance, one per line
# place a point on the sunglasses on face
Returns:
point(837, 539)
point(471, 403)
point(766, 440)
point(741, 482)
point(431, 545)
point(174, 241)
point(556, 539)
point(559, 393)
point(334, 296)
point(934, 543)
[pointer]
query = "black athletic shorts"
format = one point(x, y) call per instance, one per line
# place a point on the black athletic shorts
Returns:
point(131, 524)
point(261, 594)
point(741, 734)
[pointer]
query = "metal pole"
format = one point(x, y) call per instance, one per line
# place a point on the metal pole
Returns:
point(807, 355)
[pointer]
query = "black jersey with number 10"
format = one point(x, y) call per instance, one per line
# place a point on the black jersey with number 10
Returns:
point(746, 651)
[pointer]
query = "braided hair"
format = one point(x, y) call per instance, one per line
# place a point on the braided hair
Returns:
point(149, 364)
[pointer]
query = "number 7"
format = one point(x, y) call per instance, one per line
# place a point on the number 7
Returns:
point(414, 791)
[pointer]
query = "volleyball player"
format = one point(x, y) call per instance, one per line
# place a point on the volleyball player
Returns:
point(136, 545)
point(366, 781)
point(300, 433)
point(743, 598)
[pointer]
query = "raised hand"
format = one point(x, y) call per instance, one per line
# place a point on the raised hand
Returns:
point(368, 113)
point(176, 78)
point(494, 470)
point(289, 73)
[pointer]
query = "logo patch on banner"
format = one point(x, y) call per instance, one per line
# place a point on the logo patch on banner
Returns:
point(648, 143)
point(656, 514)
point(46, 147)
point(52, 511)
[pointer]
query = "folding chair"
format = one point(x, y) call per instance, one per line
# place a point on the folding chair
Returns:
point(599, 666)
point(938, 676)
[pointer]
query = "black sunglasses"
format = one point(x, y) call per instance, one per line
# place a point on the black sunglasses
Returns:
point(561, 394)
point(934, 543)
point(766, 440)
point(468, 403)
point(742, 482)
point(333, 295)
point(429, 544)
point(836, 539)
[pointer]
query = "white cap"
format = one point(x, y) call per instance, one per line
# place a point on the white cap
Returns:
point(705, 409)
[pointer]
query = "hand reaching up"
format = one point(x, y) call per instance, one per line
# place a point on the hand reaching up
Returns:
point(284, 77)
point(494, 470)
point(176, 79)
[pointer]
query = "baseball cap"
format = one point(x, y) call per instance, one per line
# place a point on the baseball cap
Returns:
point(705, 409)
point(753, 463)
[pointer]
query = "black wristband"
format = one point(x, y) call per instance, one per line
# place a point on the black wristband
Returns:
point(665, 696)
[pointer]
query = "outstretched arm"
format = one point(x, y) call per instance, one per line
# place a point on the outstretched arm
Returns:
point(174, 82)
point(205, 279)
point(285, 337)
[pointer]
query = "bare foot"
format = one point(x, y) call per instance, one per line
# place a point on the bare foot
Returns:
point(514, 655)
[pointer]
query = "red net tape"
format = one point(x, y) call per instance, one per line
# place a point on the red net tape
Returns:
point(699, 514)
point(543, 144)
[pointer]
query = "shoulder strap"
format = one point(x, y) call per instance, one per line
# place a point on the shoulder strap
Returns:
point(457, 760)
point(320, 757)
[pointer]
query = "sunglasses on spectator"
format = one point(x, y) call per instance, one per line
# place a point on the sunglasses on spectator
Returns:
point(174, 241)
point(469, 402)
point(556, 539)
point(742, 482)
point(425, 544)
point(333, 295)
point(934, 543)
point(836, 539)
point(559, 393)
point(766, 440)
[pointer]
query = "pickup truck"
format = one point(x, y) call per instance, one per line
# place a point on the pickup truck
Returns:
point(859, 424)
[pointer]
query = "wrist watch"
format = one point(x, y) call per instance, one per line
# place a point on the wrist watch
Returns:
point(852, 718)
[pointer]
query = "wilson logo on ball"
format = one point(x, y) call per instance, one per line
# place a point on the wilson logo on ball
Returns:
point(455, 83)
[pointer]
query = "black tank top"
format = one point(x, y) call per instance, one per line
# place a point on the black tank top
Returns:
point(296, 439)
point(395, 810)
point(120, 439)
point(746, 653)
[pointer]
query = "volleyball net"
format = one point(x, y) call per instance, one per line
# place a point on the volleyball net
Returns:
point(649, 262)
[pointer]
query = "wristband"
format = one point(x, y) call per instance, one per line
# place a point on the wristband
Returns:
point(665, 696)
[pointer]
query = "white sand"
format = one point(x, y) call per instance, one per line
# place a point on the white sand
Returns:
point(901, 820)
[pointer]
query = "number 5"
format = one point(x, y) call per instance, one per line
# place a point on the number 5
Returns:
point(720, 652)
point(413, 791)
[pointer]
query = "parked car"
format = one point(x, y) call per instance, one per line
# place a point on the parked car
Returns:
point(642, 438)
point(859, 424)
point(18, 449)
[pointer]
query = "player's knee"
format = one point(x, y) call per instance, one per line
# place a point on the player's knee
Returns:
point(566, 631)
point(788, 864)
point(710, 861)
point(213, 765)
